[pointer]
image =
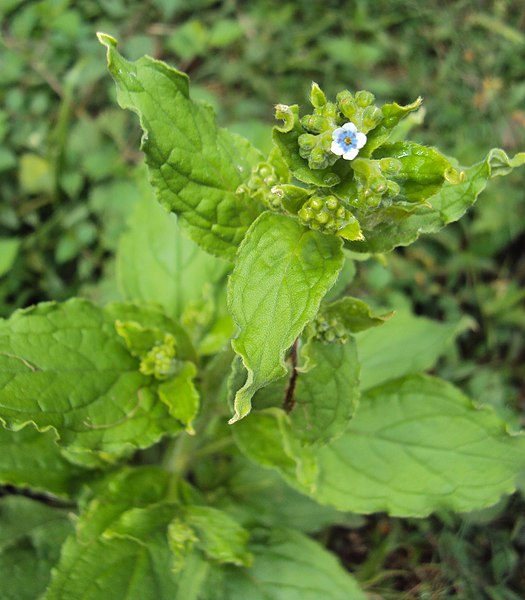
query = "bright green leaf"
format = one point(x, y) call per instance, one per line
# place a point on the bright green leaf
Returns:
point(419, 445)
point(156, 262)
point(195, 167)
point(289, 566)
point(180, 395)
point(345, 278)
point(403, 345)
point(254, 495)
point(220, 537)
point(9, 248)
point(282, 273)
point(448, 205)
point(63, 366)
point(352, 314)
point(423, 169)
point(267, 438)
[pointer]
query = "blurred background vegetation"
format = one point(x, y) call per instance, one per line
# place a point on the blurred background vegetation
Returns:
point(68, 170)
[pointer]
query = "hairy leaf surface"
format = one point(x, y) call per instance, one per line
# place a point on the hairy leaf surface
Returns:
point(282, 273)
point(195, 166)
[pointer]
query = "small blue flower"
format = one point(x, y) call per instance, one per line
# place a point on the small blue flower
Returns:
point(347, 141)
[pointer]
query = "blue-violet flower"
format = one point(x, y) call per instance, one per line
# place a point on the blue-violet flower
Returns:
point(347, 141)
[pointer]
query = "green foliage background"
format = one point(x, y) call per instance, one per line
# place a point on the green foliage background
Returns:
point(68, 164)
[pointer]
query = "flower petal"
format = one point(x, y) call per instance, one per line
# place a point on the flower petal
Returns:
point(360, 139)
point(337, 148)
point(349, 127)
point(337, 132)
point(351, 154)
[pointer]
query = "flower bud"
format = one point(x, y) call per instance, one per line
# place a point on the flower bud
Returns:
point(317, 96)
point(364, 98)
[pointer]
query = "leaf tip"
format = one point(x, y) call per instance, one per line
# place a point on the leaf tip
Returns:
point(107, 40)
point(243, 407)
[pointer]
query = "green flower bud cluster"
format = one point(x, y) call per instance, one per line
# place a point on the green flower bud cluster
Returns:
point(160, 360)
point(374, 187)
point(330, 331)
point(262, 179)
point(315, 145)
point(360, 110)
point(324, 213)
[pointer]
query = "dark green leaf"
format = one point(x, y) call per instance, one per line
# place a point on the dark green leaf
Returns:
point(31, 459)
point(326, 395)
point(31, 535)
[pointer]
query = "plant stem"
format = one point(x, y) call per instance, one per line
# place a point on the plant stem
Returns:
point(179, 454)
point(289, 399)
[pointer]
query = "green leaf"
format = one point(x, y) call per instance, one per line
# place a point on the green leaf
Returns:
point(31, 535)
point(448, 205)
point(289, 566)
point(33, 460)
point(345, 278)
point(97, 562)
point(195, 167)
point(403, 345)
point(419, 445)
point(35, 174)
point(154, 324)
point(326, 395)
point(256, 496)
point(220, 537)
point(181, 397)
point(157, 263)
point(267, 438)
point(282, 273)
point(352, 314)
point(63, 366)
point(423, 169)
point(393, 114)
point(9, 248)
point(139, 523)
